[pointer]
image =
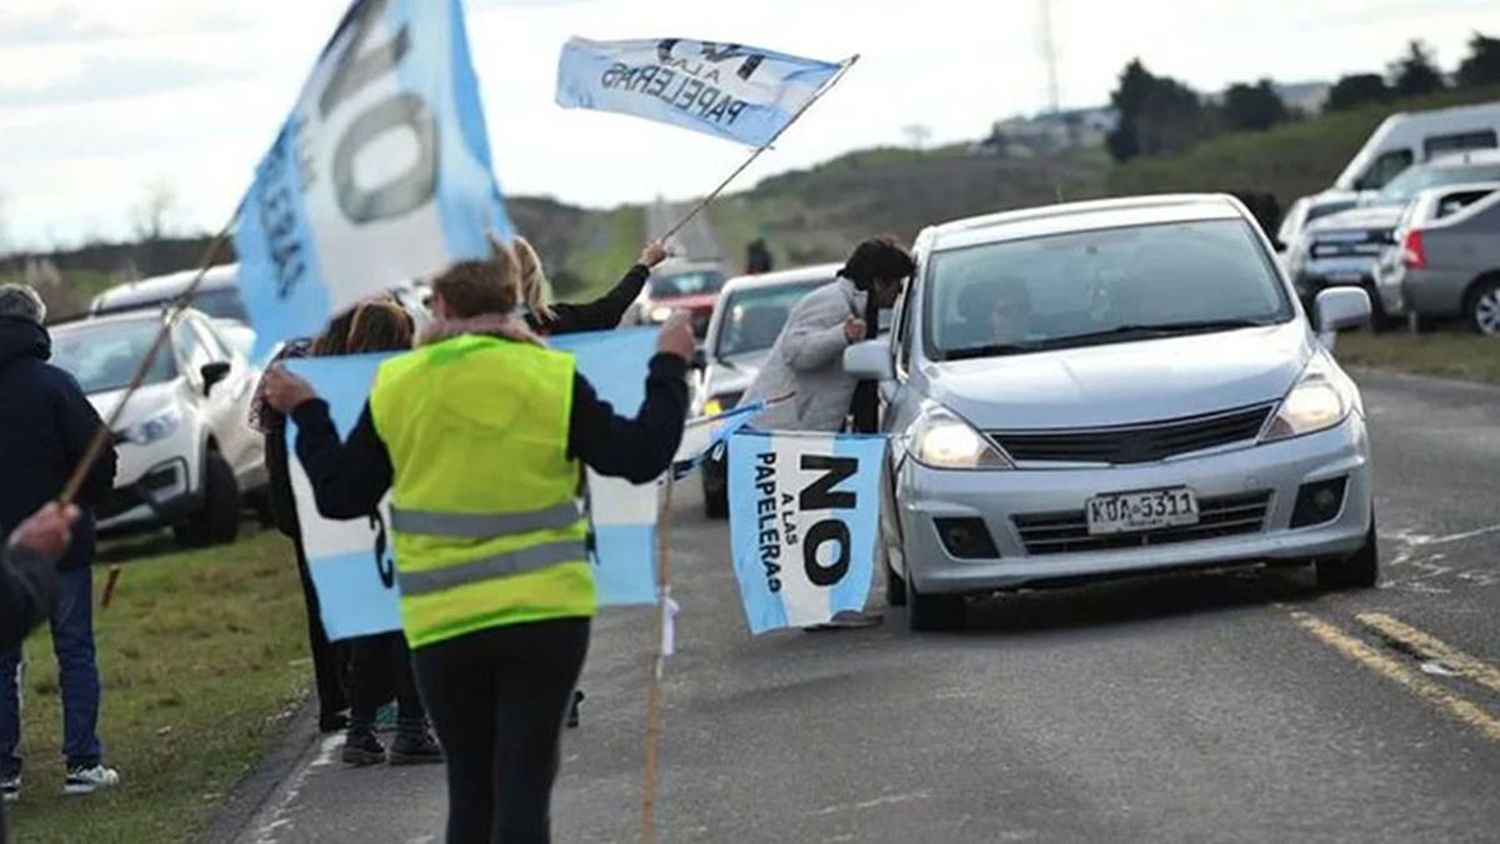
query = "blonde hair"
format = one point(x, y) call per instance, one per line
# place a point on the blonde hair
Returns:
point(533, 279)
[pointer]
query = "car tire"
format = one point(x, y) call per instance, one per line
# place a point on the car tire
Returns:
point(715, 503)
point(1360, 570)
point(218, 523)
point(1483, 307)
point(932, 613)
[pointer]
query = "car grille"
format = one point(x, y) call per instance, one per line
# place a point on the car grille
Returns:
point(1068, 533)
point(1143, 443)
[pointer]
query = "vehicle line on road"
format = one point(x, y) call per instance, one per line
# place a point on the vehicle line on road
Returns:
point(1429, 647)
point(1347, 645)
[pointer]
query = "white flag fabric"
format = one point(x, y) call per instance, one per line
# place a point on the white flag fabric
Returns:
point(731, 91)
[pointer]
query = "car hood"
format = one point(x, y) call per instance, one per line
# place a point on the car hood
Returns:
point(1124, 383)
point(146, 403)
point(733, 375)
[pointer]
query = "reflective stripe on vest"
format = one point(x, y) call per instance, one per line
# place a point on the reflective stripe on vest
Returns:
point(484, 525)
point(487, 568)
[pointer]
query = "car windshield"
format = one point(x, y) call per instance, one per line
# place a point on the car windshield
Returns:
point(1405, 186)
point(1098, 287)
point(219, 303)
point(694, 283)
point(104, 356)
point(753, 318)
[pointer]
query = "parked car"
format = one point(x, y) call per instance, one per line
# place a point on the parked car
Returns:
point(1108, 388)
point(1341, 250)
point(217, 296)
point(1404, 139)
point(187, 453)
point(679, 285)
point(1482, 166)
point(746, 321)
point(1429, 205)
point(1450, 267)
point(1309, 209)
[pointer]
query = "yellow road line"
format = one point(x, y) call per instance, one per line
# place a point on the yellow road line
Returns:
point(1431, 647)
point(1390, 668)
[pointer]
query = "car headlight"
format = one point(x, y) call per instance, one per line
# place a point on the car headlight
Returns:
point(661, 313)
point(153, 428)
point(1321, 399)
point(941, 440)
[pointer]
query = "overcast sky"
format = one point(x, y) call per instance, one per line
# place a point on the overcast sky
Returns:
point(99, 99)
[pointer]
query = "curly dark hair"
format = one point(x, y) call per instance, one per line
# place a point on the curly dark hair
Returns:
point(877, 259)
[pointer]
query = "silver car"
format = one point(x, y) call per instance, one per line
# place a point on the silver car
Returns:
point(1106, 388)
point(1450, 267)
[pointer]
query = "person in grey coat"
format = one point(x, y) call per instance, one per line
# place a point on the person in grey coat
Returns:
point(806, 362)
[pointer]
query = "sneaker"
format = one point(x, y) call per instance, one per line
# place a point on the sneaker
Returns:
point(416, 747)
point(385, 718)
point(87, 780)
point(10, 788)
point(362, 748)
point(573, 715)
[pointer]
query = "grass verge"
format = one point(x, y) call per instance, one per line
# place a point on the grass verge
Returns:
point(1448, 354)
point(203, 654)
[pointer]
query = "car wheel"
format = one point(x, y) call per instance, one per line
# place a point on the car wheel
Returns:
point(1360, 570)
point(1484, 308)
point(218, 522)
point(925, 613)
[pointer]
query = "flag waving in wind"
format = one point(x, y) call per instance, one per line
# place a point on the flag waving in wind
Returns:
point(381, 174)
point(740, 93)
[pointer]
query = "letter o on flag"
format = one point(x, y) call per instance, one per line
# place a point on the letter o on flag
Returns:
point(399, 195)
point(828, 530)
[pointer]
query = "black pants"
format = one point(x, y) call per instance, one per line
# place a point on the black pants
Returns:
point(497, 700)
point(329, 658)
point(380, 669)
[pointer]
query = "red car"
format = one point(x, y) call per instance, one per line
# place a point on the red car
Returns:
point(679, 285)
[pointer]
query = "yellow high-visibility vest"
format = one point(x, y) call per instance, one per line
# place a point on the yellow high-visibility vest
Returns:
point(485, 513)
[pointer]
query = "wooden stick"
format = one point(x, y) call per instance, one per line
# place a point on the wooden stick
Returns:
point(714, 194)
point(105, 432)
point(653, 695)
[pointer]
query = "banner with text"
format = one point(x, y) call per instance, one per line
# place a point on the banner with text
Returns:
point(804, 512)
point(740, 93)
point(381, 175)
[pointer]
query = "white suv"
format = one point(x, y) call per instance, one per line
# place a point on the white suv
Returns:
point(187, 453)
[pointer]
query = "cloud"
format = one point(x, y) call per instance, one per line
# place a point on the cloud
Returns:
point(103, 78)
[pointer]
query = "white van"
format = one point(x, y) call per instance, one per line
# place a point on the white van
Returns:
point(1405, 139)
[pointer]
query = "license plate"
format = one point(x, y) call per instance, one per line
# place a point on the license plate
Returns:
point(1138, 511)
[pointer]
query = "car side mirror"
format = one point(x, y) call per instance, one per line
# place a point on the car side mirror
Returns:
point(870, 361)
point(213, 373)
point(1343, 308)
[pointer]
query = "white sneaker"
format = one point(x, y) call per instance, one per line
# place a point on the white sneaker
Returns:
point(10, 789)
point(83, 781)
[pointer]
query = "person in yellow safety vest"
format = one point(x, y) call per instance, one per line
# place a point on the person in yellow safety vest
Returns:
point(482, 433)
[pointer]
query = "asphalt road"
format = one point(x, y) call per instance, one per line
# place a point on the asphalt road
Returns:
point(695, 241)
point(1239, 706)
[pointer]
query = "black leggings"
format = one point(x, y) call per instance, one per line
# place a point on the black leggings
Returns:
point(380, 669)
point(497, 700)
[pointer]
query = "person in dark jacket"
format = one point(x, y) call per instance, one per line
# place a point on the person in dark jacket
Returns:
point(46, 424)
point(28, 582)
point(602, 314)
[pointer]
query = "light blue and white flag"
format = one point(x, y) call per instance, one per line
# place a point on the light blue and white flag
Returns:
point(702, 435)
point(804, 513)
point(739, 93)
point(352, 562)
point(381, 175)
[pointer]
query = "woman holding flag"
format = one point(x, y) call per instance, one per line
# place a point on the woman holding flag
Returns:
point(482, 433)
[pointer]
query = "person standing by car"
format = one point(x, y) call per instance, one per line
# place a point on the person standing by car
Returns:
point(46, 424)
point(28, 582)
point(482, 432)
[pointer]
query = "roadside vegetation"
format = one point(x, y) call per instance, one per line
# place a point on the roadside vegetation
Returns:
point(1452, 353)
point(203, 656)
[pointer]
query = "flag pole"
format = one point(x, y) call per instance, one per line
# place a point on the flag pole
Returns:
point(653, 695)
point(714, 194)
point(105, 432)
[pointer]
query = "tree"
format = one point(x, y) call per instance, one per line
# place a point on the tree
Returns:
point(1253, 107)
point(1358, 89)
point(1158, 115)
point(152, 215)
point(1482, 67)
point(1415, 75)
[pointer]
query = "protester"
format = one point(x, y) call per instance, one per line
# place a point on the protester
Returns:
point(601, 314)
point(28, 583)
point(758, 257)
point(481, 432)
point(46, 425)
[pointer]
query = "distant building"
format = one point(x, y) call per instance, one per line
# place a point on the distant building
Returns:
point(1021, 137)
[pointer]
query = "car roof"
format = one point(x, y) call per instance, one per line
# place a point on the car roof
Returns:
point(672, 266)
point(1459, 187)
point(1084, 216)
point(1359, 218)
point(1465, 158)
point(797, 275)
point(164, 287)
point(120, 318)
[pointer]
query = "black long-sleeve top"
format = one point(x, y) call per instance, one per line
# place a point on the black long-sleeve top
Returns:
point(349, 479)
point(601, 314)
